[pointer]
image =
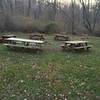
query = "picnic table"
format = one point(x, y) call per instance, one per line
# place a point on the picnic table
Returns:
point(60, 37)
point(37, 37)
point(4, 37)
point(8, 36)
point(75, 45)
point(24, 43)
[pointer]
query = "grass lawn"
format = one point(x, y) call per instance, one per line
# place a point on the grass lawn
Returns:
point(50, 75)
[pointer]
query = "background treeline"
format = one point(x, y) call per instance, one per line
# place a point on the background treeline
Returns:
point(50, 16)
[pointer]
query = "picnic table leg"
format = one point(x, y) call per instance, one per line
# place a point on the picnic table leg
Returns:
point(55, 38)
point(64, 48)
point(87, 48)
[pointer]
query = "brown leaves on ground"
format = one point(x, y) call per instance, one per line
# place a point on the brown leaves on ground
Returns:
point(46, 74)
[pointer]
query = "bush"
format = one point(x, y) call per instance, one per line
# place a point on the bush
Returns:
point(52, 27)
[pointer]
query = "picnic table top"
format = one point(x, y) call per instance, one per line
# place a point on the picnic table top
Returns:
point(60, 35)
point(37, 34)
point(75, 42)
point(26, 40)
point(9, 35)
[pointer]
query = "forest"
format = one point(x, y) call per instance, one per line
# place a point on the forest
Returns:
point(50, 16)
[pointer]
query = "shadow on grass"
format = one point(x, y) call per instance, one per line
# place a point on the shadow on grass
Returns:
point(78, 51)
point(22, 50)
point(49, 50)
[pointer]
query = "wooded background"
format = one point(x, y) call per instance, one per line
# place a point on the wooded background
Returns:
point(50, 16)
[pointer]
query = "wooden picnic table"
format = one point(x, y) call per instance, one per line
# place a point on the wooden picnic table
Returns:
point(61, 37)
point(37, 37)
point(24, 43)
point(8, 36)
point(4, 37)
point(76, 45)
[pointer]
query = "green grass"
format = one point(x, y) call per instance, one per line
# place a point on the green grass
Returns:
point(50, 75)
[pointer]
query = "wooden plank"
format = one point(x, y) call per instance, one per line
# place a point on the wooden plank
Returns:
point(25, 40)
point(82, 47)
point(75, 42)
point(8, 36)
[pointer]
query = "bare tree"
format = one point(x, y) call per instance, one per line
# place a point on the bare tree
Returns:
point(89, 21)
point(29, 8)
point(73, 17)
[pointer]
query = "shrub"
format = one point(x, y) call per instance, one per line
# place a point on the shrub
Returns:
point(52, 27)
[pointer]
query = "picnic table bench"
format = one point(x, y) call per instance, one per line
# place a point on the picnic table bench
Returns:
point(60, 37)
point(37, 37)
point(76, 45)
point(24, 43)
